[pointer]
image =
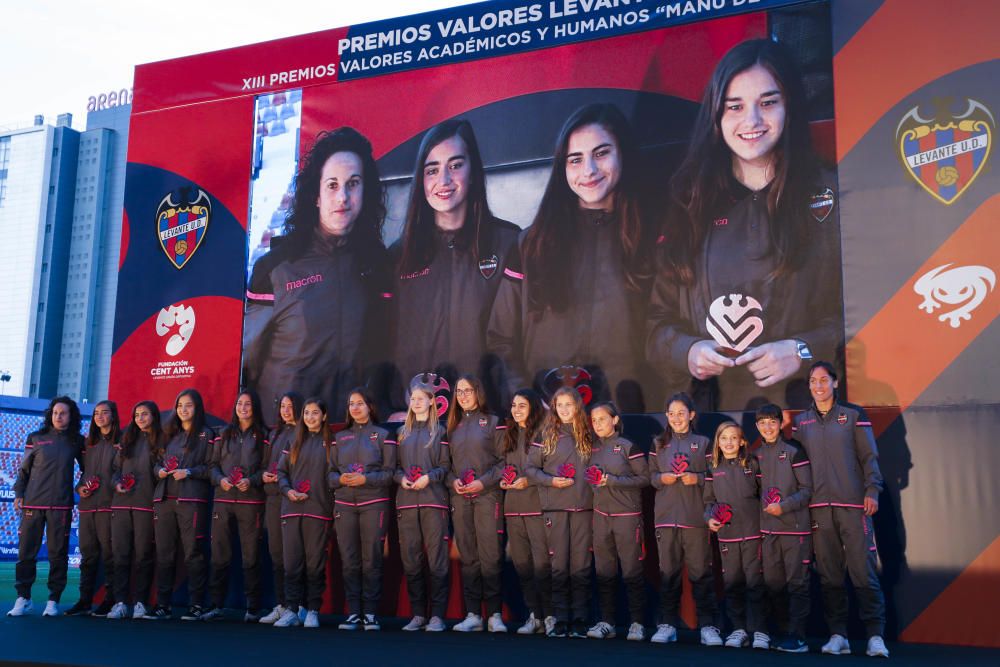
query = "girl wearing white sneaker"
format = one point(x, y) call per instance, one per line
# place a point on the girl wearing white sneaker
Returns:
point(364, 461)
point(280, 441)
point(96, 490)
point(181, 503)
point(732, 511)
point(522, 511)
point(557, 466)
point(474, 480)
point(132, 509)
point(422, 461)
point(306, 514)
point(617, 473)
point(677, 466)
point(43, 494)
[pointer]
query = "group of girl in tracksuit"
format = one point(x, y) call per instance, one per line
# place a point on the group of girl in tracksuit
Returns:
point(564, 486)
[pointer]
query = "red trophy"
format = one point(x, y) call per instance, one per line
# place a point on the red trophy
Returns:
point(128, 481)
point(170, 463)
point(566, 470)
point(679, 464)
point(414, 473)
point(468, 477)
point(303, 486)
point(236, 475)
point(723, 513)
point(509, 474)
point(594, 475)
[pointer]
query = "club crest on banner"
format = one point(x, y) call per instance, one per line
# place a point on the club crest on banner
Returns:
point(947, 152)
point(181, 224)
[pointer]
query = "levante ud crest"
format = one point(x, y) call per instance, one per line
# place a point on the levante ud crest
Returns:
point(181, 224)
point(946, 153)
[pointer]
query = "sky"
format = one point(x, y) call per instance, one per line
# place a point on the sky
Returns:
point(55, 54)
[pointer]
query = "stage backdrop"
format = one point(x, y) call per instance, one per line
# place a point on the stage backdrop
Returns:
point(902, 111)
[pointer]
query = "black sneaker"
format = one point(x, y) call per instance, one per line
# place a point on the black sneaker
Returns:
point(351, 622)
point(560, 629)
point(792, 644)
point(371, 622)
point(213, 613)
point(579, 629)
point(81, 608)
point(194, 613)
point(105, 606)
point(159, 613)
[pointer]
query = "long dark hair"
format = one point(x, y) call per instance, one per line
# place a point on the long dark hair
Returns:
point(302, 431)
point(257, 425)
point(418, 235)
point(706, 174)
point(132, 431)
point(174, 426)
point(303, 217)
point(549, 247)
point(683, 398)
point(73, 428)
point(536, 413)
point(455, 411)
point(94, 434)
point(297, 403)
point(366, 396)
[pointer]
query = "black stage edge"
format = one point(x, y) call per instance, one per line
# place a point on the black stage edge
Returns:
point(35, 640)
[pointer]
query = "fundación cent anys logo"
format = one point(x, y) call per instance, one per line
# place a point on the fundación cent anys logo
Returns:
point(947, 152)
point(181, 222)
point(176, 324)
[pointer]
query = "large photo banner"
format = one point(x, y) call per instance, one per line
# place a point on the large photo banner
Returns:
point(530, 228)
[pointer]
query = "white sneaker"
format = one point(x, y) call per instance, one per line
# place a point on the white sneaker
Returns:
point(601, 630)
point(472, 623)
point(138, 611)
point(531, 626)
point(876, 647)
point(288, 619)
point(665, 633)
point(119, 611)
point(274, 615)
point(496, 624)
point(837, 646)
point(312, 619)
point(762, 640)
point(636, 633)
point(710, 636)
point(416, 623)
point(550, 624)
point(51, 609)
point(435, 625)
point(22, 607)
point(737, 639)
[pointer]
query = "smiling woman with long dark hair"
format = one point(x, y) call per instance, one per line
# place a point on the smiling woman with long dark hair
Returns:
point(751, 216)
point(584, 270)
point(449, 260)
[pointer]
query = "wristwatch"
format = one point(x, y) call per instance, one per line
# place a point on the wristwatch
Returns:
point(802, 350)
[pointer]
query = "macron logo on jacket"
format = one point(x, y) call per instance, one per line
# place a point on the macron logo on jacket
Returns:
point(308, 280)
